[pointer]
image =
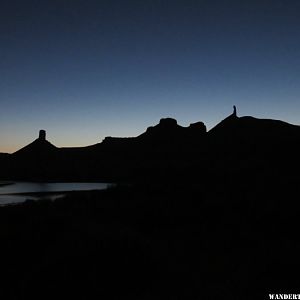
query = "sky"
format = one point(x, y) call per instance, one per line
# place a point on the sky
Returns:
point(84, 69)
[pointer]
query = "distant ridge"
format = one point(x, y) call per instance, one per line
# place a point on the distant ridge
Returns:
point(166, 148)
point(168, 130)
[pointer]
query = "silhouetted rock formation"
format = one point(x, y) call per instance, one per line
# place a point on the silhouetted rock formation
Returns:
point(38, 148)
point(257, 130)
point(39, 160)
point(234, 110)
point(42, 135)
point(166, 148)
point(198, 126)
point(169, 131)
point(166, 126)
point(168, 123)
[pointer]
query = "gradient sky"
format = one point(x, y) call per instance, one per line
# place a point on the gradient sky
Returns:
point(83, 70)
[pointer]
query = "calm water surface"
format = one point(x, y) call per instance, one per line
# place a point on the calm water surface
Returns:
point(16, 192)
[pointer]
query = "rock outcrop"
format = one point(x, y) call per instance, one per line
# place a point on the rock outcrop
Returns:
point(38, 148)
point(42, 135)
point(198, 127)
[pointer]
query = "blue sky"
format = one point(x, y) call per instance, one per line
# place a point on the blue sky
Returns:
point(83, 70)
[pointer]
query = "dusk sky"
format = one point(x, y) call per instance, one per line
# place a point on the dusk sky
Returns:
point(83, 70)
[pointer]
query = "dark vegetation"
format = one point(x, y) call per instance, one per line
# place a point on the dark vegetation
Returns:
point(208, 218)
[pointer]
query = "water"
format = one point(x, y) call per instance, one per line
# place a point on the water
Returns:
point(19, 191)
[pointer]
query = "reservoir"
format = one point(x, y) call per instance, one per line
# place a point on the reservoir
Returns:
point(15, 192)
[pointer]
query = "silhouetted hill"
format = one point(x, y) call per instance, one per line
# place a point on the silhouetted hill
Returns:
point(36, 161)
point(234, 127)
point(255, 139)
point(166, 150)
point(38, 148)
